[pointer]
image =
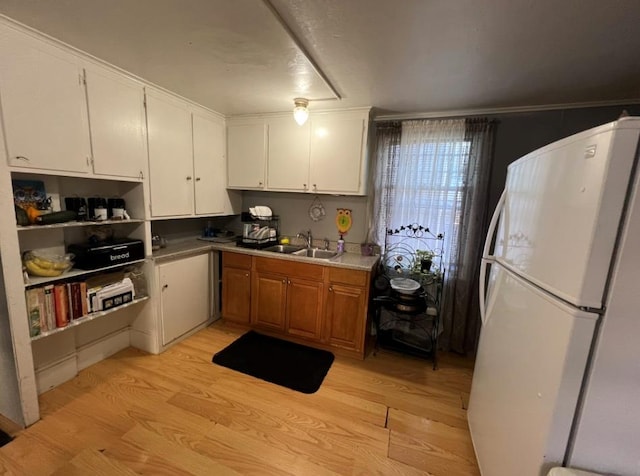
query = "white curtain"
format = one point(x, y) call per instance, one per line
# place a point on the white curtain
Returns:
point(434, 174)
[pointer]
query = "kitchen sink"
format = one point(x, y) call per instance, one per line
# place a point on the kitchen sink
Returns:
point(286, 249)
point(316, 253)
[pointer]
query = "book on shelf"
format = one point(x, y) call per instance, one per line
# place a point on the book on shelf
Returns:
point(54, 306)
point(33, 312)
point(49, 307)
point(62, 305)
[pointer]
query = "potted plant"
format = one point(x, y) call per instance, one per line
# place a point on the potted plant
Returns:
point(424, 259)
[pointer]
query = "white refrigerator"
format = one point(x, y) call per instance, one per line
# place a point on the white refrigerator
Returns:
point(557, 372)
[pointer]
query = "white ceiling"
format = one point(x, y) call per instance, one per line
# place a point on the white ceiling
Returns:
point(401, 56)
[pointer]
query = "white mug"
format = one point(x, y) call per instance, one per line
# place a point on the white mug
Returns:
point(101, 213)
point(117, 213)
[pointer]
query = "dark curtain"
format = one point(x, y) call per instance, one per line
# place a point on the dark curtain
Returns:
point(461, 313)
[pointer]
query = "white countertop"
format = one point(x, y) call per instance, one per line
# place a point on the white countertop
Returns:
point(180, 248)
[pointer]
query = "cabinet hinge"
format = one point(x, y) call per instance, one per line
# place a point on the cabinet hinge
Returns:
point(83, 77)
point(144, 101)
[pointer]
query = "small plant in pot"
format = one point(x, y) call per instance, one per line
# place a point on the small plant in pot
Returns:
point(424, 259)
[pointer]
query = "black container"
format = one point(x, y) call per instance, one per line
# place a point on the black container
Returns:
point(114, 203)
point(78, 205)
point(93, 203)
point(107, 253)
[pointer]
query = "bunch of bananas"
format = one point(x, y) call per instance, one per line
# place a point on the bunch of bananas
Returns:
point(39, 266)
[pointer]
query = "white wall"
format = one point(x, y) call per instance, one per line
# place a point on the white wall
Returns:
point(10, 405)
point(293, 209)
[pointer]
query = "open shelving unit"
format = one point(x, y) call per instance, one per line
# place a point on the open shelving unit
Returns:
point(73, 273)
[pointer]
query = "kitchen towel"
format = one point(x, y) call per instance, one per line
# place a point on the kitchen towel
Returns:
point(284, 363)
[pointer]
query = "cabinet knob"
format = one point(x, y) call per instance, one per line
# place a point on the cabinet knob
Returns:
point(189, 178)
point(260, 184)
point(284, 281)
point(197, 179)
point(246, 275)
point(315, 187)
point(304, 185)
point(165, 287)
point(330, 289)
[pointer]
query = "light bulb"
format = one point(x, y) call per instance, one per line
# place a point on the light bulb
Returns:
point(301, 112)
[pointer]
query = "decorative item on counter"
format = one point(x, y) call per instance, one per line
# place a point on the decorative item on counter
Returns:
point(158, 242)
point(343, 220)
point(316, 210)
point(366, 249)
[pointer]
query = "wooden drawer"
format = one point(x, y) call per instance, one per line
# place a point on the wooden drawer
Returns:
point(289, 268)
point(236, 260)
point(348, 276)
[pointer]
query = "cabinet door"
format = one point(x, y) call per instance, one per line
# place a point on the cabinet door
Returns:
point(209, 165)
point(170, 156)
point(43, 106)
point(268, 306)
point(246, 146)
point(184, 298)
point(337, 145)
point(304, 308)
point(288, 159)
point(236, 295)
point(117, 124)
point(345, 316)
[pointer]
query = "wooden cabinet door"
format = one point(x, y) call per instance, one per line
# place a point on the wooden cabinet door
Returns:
point(246, 156)
point(184, 295)
point(209, 164)
point(116, 117)
point(345, 316)
point(268, 307)
point(43, 105)
point(337, 145)
point(305, 308)
point(236, 295)
point(288, 158)
point(170, 156)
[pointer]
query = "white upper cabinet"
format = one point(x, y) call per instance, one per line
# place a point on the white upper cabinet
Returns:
point(43, 105)
point(288, 155)
point(209, 164)
point(117, 123)
point(246, 155)
point(337, 153)
point(170, 155)
point(326, 155)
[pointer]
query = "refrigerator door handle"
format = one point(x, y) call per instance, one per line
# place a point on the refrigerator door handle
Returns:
point(486, 257)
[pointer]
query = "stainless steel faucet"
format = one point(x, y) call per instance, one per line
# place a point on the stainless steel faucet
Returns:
point(307, 238)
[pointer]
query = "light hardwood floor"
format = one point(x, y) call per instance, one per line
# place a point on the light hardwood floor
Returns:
point(177, 413)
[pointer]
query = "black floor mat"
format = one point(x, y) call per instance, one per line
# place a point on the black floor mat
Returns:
point(4, 438)
point(290, 365)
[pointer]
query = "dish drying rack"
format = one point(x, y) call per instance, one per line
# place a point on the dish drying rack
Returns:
point(252, 237)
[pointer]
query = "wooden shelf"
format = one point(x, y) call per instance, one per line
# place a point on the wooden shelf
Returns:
point(74, 224)
point(87, 318)
point(72, 273)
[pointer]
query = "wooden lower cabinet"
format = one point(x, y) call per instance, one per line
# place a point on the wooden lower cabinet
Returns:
point(269, 304)
point(236, 288)
point(305, 308)
point(346, 316)
point(309, 303)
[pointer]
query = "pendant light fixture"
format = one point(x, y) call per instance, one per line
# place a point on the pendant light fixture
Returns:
point(301, 110)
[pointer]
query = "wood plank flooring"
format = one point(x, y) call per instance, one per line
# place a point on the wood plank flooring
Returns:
point(177, 413)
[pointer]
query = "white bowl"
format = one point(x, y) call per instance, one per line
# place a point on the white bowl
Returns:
point(404, 285)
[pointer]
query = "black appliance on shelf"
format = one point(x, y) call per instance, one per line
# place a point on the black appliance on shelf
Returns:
point(112, 252)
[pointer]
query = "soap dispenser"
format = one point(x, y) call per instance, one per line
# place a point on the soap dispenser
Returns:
point(340, 247)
